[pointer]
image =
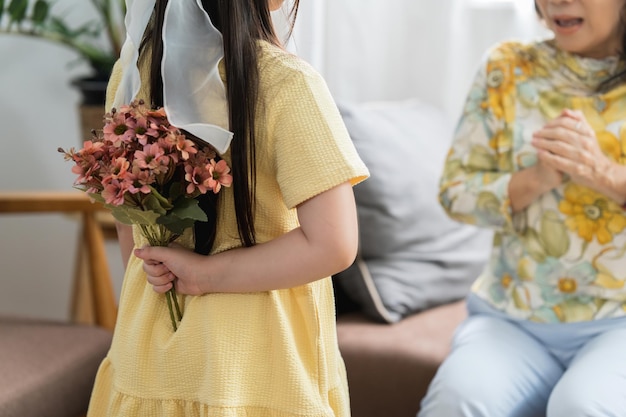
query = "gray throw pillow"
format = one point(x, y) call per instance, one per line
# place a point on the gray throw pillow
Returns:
point(412, 256)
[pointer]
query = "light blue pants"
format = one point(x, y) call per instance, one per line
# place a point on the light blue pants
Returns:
point(505, 368)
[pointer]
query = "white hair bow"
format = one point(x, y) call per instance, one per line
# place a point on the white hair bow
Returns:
point(193, 92)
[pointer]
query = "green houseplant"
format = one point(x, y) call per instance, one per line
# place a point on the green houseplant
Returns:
point(97, 42)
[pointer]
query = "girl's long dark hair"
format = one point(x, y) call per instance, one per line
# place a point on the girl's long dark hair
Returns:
point(620, 77)
point(242, 23)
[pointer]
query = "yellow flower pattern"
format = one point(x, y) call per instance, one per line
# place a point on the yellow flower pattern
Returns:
point(560, 259)
point(591, 215)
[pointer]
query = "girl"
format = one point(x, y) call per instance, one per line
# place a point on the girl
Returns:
point(539, 156)
point(257, 336)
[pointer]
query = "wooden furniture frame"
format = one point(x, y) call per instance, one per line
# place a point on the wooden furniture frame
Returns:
point(93, 300)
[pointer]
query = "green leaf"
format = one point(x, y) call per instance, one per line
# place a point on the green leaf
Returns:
point(175, 224)
point(185, 213)
point(17, 10)
point(40, 12)
point(128, 215)
point(188, 208)
point(176, 191)
point(1, 9)
point(56, 25)
point(98, 197)
point(158, 205)
point(167, 204)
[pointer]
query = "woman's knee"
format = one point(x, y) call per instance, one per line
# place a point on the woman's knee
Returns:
point(594, 384)
point(566, 403)
point(455, 397)
point(585, 398)
point(494, 370)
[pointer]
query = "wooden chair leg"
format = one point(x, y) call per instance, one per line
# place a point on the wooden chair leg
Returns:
point(104, 298)
point(82, 307)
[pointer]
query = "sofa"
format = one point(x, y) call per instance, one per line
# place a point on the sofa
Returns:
point(399, 303)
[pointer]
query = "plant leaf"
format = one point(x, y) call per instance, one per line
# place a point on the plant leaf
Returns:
point(128, 215)
point(40, 12)
point(17, 10)
point(1, 9)
point(185, 213)
point(188, 208)
point(175, 224)
point(176, 191)
point(167, 204)
point(56, 25)
point(151, 202)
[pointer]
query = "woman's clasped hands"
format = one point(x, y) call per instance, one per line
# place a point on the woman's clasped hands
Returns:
point(568, 145)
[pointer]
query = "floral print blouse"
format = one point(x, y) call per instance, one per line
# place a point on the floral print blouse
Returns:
point(562, 259)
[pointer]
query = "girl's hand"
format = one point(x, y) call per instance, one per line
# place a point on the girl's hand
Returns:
point(569, 145)
point(170, 267)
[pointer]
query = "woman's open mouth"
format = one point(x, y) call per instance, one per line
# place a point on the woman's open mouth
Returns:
point(566, 24)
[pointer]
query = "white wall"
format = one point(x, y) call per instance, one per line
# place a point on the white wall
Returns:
point(39, 113)
point(366, 49)
point(397, 49)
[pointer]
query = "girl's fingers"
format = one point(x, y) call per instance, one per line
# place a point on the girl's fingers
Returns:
point(162, 289)
point(155, 269)
point(161, 281)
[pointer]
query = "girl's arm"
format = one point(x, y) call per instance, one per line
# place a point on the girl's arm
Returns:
point(324, 244)
point(125, 238)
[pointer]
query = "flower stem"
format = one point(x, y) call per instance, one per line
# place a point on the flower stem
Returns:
point(179, 315)
point(158, 235)
point(168, 296)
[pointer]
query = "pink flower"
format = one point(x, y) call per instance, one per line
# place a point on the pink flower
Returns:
point(158, 114)
point(92, 148)
point(185, 146)
point(87, 166)
point(144, 131)
point(118, 129)
point(151, 157)
point(219, 175)
point(197, 178)
point(116, 170)
point(139, 162)
point(140, 180)
point(113, 193)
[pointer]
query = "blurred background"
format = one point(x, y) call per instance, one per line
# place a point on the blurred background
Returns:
point(367, 50)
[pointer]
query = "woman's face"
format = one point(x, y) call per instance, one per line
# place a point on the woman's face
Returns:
point(591, 28)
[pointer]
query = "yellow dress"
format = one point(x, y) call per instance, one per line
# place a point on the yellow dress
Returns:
point(262, 354)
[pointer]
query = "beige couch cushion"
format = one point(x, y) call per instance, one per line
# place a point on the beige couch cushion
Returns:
point(390, 365)
point(47, 368)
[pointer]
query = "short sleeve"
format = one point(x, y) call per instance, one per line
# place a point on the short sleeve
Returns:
point(311, 147)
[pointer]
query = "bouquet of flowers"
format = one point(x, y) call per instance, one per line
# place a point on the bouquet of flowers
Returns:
point(149, 173)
